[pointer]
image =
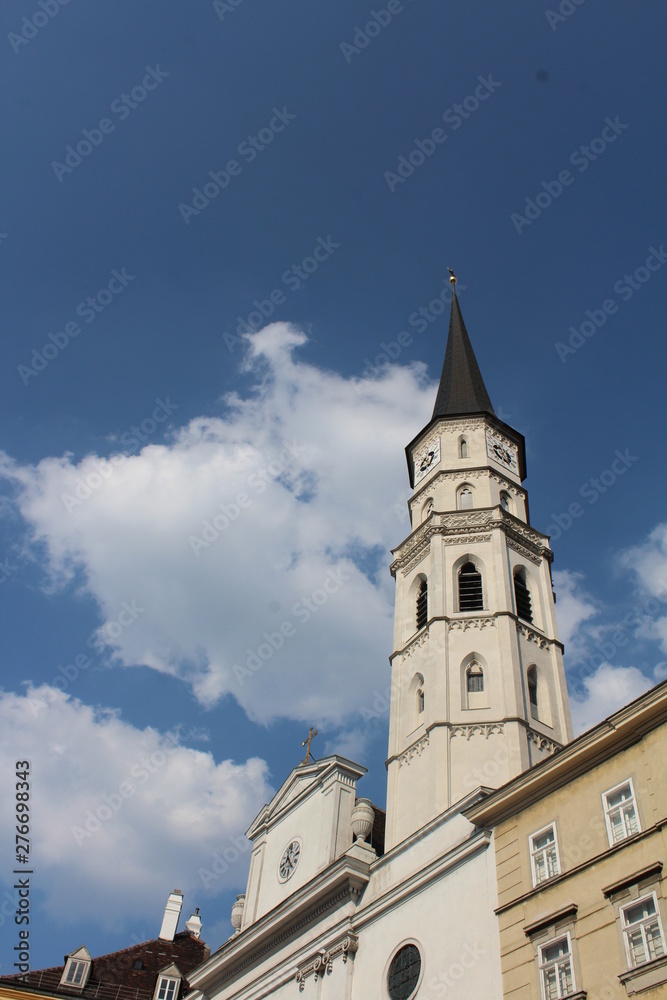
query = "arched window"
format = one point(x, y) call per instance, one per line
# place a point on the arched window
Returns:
point(420, 700)
point(422, 604)
point(474, 678)
point(427, 509)
point(505, 502)
point(465, 498)
point(531, 677)
point(524, 607)
point(463, 448)
point(471, 597)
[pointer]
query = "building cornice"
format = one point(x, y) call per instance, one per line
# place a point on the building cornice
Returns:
point(469, 525)
point(616, 733)
point(477, 727)
point(342, 882)
point(477, 620)
point(307, 778)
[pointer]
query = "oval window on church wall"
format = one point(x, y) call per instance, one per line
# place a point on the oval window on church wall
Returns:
point(404, 972)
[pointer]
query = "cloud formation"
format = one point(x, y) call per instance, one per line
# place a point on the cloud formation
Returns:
point(248, 555)
point(116, 808)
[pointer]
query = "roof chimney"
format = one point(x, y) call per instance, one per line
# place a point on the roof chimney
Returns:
point(194, 924)
point(172, 912)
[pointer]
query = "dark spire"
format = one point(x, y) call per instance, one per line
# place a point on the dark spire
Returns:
point(461, 388)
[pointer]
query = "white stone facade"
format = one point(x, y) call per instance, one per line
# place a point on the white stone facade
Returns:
point(332, 932)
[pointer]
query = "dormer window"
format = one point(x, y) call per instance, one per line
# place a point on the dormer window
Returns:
point(77, 969)
point(168, 983)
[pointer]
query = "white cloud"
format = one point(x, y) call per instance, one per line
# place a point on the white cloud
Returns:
point(607, 690)
point(648, 563)
point(117, 810)
point(574, 608)
point(251, 550)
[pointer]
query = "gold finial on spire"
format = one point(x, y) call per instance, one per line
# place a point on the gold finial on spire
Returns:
point(309, 739)
point(452, 279)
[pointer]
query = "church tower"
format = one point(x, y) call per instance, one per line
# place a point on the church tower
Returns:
point(478, 684)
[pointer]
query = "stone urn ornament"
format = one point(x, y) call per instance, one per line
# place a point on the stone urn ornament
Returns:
point(237, 913)
point(362, 819)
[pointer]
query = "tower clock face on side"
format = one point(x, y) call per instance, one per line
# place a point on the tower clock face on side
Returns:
point(426, 459)
point(289, 860)
point(501, 451)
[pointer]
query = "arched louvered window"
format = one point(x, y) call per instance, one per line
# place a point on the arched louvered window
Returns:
point(463, 448)
point(422, 604)
point(475, 678)
point(524, 607)
point(471, 597)
point(465, 498)
point(505, 502)
point(531, 677)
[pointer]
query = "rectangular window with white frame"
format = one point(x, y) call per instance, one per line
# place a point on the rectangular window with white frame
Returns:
point(556, 969)
point(167, 989)
point(620, 812)
point(75, 973)
point(544, 860)
point(642, 931)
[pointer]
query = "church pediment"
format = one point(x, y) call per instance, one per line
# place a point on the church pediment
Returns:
point(305, 780)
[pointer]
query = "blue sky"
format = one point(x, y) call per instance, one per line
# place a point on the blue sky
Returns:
point(525, 148)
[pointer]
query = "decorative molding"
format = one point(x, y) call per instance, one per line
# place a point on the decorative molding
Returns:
point(468, 539)
point(470, 526)
point(542, 742)
point(321, 964)
point(466, 425)
point(526, 553)
point(416, 643)
point(418, 553)
point(348, 893)
point(484, 729)
point(507, 484)
point(532, 636)
point(416, 750)
point(465, 623)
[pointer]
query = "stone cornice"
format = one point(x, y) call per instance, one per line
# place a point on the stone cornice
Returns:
point(307, 778)
point(341, 883)
point(476, 620)
point(471, 524)
point(462, 474)
point(479, 727)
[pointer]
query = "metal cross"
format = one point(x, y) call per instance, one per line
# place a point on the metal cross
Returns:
point(309, 739)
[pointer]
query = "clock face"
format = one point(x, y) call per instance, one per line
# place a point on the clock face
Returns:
point(426, 460)
point(502, 452)
point(289, 860)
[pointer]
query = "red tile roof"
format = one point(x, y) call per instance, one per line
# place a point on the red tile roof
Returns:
point(114, 977)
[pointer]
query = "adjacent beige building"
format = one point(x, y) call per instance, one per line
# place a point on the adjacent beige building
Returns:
point(580, 842)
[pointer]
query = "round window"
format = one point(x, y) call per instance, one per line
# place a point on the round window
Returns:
point(404, 972)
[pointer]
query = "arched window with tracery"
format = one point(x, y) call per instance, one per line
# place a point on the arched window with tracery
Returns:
point(464, 498)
